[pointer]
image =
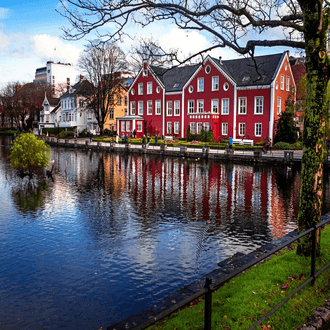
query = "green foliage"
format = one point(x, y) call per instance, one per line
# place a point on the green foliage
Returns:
point(203, 136)
point(286, 129)
point(66, 134)
point(28, 154)
point(287, 146)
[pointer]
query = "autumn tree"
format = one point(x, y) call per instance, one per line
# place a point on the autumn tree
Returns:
point(242, 25)
point(102, 64)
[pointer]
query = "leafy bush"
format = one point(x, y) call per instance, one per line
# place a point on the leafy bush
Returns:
point(66, 134)
point(287, 146)
point(28, 154)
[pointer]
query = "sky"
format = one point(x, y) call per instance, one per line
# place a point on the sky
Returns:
point(31, 35)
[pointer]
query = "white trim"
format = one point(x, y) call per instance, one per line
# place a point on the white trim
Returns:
point(271, 110)
point(253, 87)
point(234, 111)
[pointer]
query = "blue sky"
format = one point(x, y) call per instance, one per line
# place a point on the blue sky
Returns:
point(31, 31)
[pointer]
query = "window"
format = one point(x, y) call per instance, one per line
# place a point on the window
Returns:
point(125, 100)
point(176, 108)
point(140, 108)
point(191, 106)
point(123, 126)
point(139, 126)
point(200, 106)
point(225, 106)
point(176, 127)
point(287, 83)
point(193, 128)
point(206, 126)
point(119, 100)
point(169, 128)
point(191, 89)
point(242, 106)
point(207, 69)
point(169, 108)
point(241, 131)
point(279, 101)
point(282, 82)
point(258, 105)
point(149, 87)
point(200, 85)
point(133, 108)
point(158, 107)
point(224, 128)
point(215, 106)
point(158, 89)
point(126, 113)
point(225, 86)
point(112, 99)
point(257, 129)
point(199, 127)
point(149, 107)
point(81, 103)
point(111, 113)
point(215, 83)
point(128, 126)
point(140, 88)
point(133, 91)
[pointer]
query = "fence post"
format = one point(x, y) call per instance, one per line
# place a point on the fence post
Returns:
point(313, 256)
point(208, 304)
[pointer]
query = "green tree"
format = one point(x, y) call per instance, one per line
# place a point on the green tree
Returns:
point(28, 154)
point(286, 129)
point(243, 26)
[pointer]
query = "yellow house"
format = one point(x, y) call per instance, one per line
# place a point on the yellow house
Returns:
point(118, 107)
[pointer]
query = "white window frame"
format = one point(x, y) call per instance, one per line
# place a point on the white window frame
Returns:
point(169, 128)
point(200, 106)
point(200, 84)
point(257, 129)
point(224, 129)
point(133, 109)
point(176, 108)
point(128, 126)
point(258, 105)
point(242, 105)
point(140, 108)
point(191, 106)
point(241, 129)
point(169, 108)
point(149, 108)
point(282, 82)
point(215, 106)
point(140, 89)
point(225, 106)
point(139, 126)
point(176, 127)
point(287, 83)
point(215, 83)
point(193, 128)
point(206, 126)
point(199, 127)
point(279, 105)
point(158, 107)
point(149, 87)
point(123, 126)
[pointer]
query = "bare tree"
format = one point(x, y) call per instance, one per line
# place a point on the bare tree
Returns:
point(102, 64)
point(241, 25)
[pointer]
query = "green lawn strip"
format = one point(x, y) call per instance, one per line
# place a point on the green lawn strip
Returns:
point(247, 297)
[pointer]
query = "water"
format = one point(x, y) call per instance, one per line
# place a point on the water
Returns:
point(112, 234)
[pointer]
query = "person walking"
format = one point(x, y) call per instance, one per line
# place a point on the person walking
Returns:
point(230, 143)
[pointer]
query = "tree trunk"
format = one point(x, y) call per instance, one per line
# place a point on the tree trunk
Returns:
point(311, 191)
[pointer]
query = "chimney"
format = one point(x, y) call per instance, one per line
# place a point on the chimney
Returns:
point(220, 57)
point(81, 78)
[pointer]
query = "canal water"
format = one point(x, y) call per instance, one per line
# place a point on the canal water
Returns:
point(112, 234)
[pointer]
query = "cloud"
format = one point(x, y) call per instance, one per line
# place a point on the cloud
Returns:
point(49, 47)
point(4, 13)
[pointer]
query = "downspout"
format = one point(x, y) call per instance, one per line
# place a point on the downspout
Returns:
point(235, 110)
point(163, 113)
point(271, 111)
point(182, 114)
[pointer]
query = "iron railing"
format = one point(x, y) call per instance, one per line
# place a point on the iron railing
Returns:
point(209, 287)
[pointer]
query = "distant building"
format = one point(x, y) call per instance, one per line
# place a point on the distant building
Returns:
point(59, 75)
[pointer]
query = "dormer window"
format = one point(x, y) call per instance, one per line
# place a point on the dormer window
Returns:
point(176, 85)
point(70, 90)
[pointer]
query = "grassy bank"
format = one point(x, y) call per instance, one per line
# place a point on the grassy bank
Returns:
point(249, 296)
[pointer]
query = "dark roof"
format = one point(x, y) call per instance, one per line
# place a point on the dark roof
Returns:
point(244, 73)
point(174, 79)
point(80, 88)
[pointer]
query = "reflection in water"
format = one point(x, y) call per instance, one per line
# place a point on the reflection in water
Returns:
point(115, 233)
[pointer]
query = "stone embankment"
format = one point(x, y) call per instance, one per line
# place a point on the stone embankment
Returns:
point(276, 157)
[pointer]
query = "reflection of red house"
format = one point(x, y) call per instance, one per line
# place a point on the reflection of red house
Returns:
point(241, 98)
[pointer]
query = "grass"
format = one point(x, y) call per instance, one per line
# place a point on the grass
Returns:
point(247, 297)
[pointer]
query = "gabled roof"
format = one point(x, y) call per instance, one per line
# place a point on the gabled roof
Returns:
point(244, 72)
point(174, 79)
point(56, 108)
point(83, 87)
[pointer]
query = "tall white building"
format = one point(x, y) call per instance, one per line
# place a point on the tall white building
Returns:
point(60, 75)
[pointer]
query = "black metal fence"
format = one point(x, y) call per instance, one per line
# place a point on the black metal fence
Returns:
point(209, 287)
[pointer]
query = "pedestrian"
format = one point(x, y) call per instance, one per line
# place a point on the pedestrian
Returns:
point(230, 143)
point(117, 138)
point(148, 140)
point(270, 145)
point(90, 136)
point(265, 146)
point(134, 133)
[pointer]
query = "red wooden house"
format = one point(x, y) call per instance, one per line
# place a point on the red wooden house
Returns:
point(241, 98)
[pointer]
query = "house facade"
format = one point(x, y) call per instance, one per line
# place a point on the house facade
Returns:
point(240, 98)
point(48, 113)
